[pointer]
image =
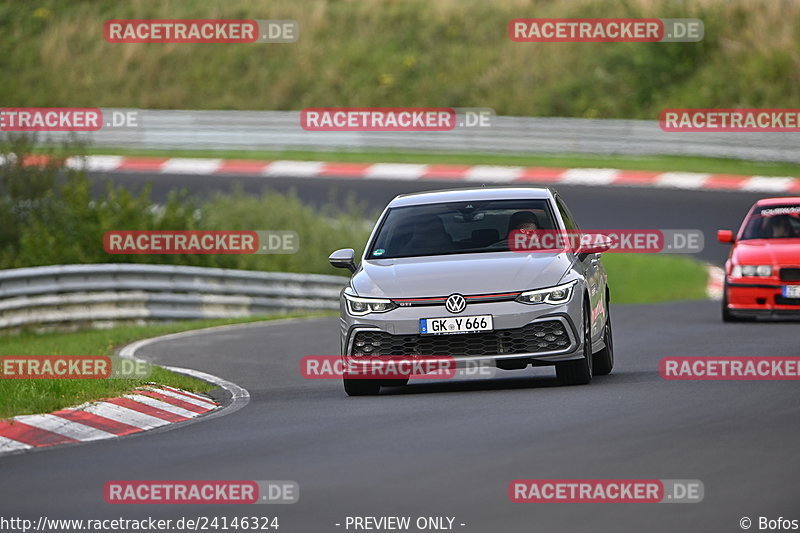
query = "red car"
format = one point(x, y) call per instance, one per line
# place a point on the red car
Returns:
point(762, 274)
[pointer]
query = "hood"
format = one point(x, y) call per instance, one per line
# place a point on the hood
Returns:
point(776, 252)
point(482, 273)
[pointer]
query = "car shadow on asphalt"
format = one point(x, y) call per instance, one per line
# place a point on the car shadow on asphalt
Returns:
point(512, 383)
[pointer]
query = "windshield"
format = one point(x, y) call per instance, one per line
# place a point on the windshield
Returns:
point(773, 222)
point(459, 227)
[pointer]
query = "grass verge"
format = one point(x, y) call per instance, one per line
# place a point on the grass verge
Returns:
point(31, 396)
point(649, 163)
point(640, 278)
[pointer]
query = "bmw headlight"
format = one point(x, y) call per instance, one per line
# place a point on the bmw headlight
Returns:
point(749, 271)
point(357, 306)
point(551, 295)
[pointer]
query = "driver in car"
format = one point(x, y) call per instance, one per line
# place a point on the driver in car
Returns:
point(522, 221)
point(781, 227)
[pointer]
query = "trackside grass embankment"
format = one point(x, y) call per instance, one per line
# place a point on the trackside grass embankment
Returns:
point(400, 53)
point(31, 396)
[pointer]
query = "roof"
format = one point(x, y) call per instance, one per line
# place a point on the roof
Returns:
point(779, 201)
point(466, 195)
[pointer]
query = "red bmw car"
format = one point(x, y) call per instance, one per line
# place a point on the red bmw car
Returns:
point(762, 274)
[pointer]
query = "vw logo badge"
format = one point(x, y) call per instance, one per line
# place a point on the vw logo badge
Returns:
point(455, 303)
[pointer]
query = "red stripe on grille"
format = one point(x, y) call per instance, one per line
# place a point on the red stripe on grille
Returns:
point(444, 298)
point(501, 295)
point(419, 299)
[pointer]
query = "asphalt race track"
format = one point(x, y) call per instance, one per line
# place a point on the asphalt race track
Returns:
point(451, 448)
point(594, 207)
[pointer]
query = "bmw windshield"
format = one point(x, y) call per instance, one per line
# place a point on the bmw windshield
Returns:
point(457, 227)
point(773, 222)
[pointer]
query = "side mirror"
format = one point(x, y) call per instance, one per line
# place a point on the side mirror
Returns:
point(725, 236)
point(597, 243)
point(344, 258)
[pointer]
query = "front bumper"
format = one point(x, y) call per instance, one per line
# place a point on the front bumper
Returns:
point(760, 300)
point(536, 334)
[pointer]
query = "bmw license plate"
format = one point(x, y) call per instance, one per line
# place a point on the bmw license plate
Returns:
point(455, 324)
point(791, 291)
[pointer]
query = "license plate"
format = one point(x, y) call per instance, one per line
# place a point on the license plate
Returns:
point(455, 324)
point(791, 291)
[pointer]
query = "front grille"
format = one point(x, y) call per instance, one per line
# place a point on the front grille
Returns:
point(790, 274)
point(545, 336)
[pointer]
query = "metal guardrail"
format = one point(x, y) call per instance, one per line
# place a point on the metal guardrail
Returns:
point(280, 130)
point(104, 294)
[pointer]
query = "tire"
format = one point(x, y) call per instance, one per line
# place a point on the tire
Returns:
point(579, 372)
point(603, 361)
point(361, 387)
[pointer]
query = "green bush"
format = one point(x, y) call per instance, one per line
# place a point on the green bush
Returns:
point(320, 231)
point(48, 215)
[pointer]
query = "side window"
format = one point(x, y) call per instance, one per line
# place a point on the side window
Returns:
point(569, 221)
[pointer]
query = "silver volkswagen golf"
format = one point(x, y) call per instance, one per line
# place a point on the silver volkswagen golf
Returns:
point(439, 277)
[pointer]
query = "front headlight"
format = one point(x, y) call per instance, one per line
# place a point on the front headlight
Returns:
point(749, 271)
point(361, 306)
point(552, 295)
